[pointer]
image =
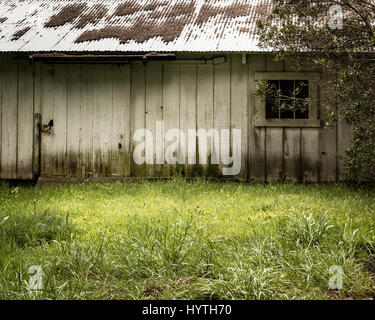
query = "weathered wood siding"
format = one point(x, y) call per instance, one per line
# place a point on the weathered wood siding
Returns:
point(96, 108)
point(16, 118)
point(90, 107)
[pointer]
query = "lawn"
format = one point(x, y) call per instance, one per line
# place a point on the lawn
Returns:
point(187, 240)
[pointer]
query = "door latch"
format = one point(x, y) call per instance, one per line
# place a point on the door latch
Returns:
point(47, 127)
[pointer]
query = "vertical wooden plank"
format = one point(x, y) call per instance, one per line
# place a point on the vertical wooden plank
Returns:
point(74, 121)
point(121, 121)
point(87, 118)
point(37, 110)
point(154, 109)
point(292, 154)
point(310, 154)
point(327, 154)
point(37, 95)
point(328, 143)
point(59, 116)
point(239, 108)
point(274, 154)
point(344, 139)
point(274, 136)
point(309, 148)
point(47, 87)
point(188, 116)
point(138, 110)
point(292, 146)
point(257, 136)
point(36, 145)
point(310, 140)
point(9, 118)
point(103, 103)
point(205, 107)
point(25, 121)
point(171, 107)
point(222, 109)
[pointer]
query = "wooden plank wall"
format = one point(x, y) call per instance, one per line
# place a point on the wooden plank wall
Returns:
point(90, 108)
point(16, 118)
point(97, 108)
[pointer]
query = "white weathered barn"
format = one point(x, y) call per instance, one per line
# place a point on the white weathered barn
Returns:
point(96, 71)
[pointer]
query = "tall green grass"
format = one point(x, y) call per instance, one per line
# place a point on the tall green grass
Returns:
point(34, 228)
point(187, 240)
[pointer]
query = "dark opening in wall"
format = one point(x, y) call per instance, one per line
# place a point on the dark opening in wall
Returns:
point(287, 99)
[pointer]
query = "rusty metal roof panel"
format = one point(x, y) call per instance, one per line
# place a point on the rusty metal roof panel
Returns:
point(130, 25)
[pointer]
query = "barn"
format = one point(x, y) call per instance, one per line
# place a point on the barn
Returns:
point(86, 85)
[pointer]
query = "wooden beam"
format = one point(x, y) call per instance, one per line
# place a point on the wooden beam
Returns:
point(36, 144)
point(286, 75)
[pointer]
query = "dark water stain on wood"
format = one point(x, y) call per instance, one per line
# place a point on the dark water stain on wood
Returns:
point(73, 162)
point(197, 170)
point(67, 14)
point(213, 171)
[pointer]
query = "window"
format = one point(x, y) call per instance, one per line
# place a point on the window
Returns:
point(291, 100)
point(286, 99)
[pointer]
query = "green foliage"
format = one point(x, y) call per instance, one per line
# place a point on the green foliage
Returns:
point(360, 156)
point(345, 57)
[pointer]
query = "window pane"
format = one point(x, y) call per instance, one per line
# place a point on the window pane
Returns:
point(302, 112)
point(302, 93)
point(272, 100)
point(286, 109)
point(287, 99)
point(287, 88)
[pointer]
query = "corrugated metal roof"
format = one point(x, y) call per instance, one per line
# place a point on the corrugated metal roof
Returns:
point(130, 26)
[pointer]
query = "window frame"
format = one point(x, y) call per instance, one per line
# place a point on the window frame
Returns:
point(313, 120)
